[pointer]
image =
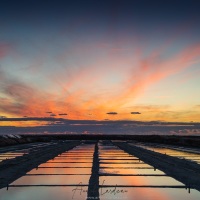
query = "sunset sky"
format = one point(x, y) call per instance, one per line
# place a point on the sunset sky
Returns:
point(89, 58)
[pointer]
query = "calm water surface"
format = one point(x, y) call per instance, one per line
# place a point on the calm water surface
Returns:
point(121, 176)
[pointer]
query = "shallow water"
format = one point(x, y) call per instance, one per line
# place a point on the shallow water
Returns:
point(124, 193)
point(20, 150)
point(171, 152)
point(121, 176)
point(126, 181)
point(9, 155)
point(130, 171)
point(64, 175)
point(42, 193)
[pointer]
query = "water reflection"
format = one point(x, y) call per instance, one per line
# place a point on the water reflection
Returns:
point(22, 149)
point(130, 171)
point(121, 176)
point(52, 180)
point(10, 155)
point(125, 179)
point(42, 193)
point(61, 174)
point(61, 171)
point(171, 151)
point(124, 193)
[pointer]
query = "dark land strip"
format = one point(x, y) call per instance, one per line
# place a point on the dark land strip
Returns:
point(177, 140)
point(93, 187)
point(12, 169)
point(182, 170)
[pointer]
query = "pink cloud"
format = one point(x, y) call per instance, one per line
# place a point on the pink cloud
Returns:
point(4, 49)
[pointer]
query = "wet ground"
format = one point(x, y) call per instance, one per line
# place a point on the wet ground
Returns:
point(120, 175)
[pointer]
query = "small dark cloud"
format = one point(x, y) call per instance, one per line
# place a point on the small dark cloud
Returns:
point(25, 116)
point(135, 113)
point(49, 112)
point(52, 115)
point(62, 114)
point(111, 113)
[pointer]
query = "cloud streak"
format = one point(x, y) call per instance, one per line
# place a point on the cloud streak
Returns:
point(106, 82)
point(153, 69)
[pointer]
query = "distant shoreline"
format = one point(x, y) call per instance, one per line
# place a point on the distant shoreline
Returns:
point(189, 141)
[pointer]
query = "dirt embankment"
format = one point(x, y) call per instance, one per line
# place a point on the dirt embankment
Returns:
point(12, 169)
point(182, 170)
point(93, 188)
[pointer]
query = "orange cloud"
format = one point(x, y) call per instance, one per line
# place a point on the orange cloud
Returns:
point(152, 70)
point(82, 90)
